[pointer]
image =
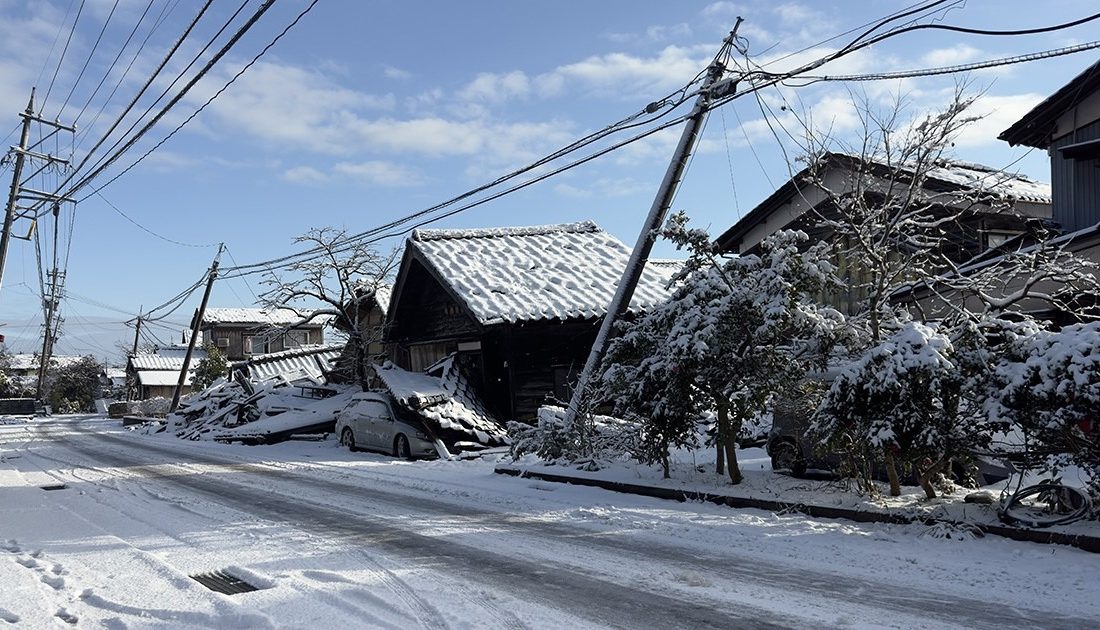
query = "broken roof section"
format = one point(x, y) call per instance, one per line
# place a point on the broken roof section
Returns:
point(523, 274)
point(447, 401)
point(311, 362)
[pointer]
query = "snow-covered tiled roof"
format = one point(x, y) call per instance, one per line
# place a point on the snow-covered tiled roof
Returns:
point(980, 178)
point(270, 317)
point(161, 362)
point(312, 361)
point(31, 362)
point(447, 401)
point(986, 179)
point(566, 271)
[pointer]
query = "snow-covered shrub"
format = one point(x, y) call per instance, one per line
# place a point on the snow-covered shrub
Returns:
point(611, 438)
point(1049, 388)
point(898, 406)
point(732, 334)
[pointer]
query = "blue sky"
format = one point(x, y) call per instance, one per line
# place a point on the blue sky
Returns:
point(368, 111)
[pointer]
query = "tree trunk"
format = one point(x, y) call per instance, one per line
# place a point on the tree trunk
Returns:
point(927, 474)
point(720, 457)
point(728, 443)
point(891, 471)
point(664, 464)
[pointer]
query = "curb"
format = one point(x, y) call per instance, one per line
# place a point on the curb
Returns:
point(1080, 541)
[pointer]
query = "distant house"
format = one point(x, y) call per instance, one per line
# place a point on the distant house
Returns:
point(1067, 126)
point(241, 333)
point(373, 303)
point(155, 375)
point(520, 307)
point(23, 368)
point(1006, 206)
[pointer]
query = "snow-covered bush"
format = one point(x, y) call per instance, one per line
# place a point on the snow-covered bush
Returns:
point(1048, 387)
point(611, 438)
point(898, 406)
point(734, 331)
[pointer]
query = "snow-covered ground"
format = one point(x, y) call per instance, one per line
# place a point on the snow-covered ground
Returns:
point(340, 539)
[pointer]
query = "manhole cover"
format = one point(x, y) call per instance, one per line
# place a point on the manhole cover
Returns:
point(222, 582)
point(53, 486)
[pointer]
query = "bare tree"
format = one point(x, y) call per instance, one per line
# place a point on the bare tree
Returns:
point(340, 282)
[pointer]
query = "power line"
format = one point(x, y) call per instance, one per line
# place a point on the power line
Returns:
point(114, 63)
point(87, 61)
point(61, 59)
point(149, 231)
point(208, 102)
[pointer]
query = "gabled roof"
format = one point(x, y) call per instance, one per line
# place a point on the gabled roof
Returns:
point(257, 316)
point(523, 274)
point(31, 362)
point(946, 176)
point(164, 362)
point(1035, 127)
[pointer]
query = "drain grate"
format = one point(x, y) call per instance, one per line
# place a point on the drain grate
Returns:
point(222, 582)
point(53, 486)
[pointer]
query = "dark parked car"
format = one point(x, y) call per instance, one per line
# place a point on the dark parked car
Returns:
point(792, 449)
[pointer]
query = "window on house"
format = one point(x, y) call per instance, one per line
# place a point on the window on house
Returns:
point(996, 239)
point(255, 345)
point(295, 338)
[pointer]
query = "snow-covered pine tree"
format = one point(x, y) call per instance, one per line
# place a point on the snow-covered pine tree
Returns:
point(732, 333)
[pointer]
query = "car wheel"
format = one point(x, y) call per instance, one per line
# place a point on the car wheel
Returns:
point(347, 438)
point(787, 456)
point(401, 447)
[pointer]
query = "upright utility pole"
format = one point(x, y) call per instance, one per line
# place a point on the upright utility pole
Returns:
point(713, 87)
point(195, 329)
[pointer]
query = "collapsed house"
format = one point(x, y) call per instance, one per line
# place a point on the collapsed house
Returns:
point(518, 307)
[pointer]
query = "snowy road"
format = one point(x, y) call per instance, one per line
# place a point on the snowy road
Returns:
point(335, 538)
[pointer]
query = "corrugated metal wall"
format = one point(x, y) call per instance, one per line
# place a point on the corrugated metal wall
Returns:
point(1076, 183)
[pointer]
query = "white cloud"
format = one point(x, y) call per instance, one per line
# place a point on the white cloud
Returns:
point(998, 113)
point(392, 72)
point(304, 175)
point(722, 9)
point(495, 88)
point(957, 54)
point(603, 188)
point(378, 173)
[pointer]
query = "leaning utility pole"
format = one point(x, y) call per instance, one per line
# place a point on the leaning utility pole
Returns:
point(195, 329)
point(713, 87)
point(18, 191)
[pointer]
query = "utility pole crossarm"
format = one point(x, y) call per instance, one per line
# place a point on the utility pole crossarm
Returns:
point(665, 194)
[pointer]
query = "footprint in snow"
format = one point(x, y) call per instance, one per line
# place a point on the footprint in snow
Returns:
point(30, 563)
point(11, 546)
point(8, 616)
point(66, 616)
point(54, 582)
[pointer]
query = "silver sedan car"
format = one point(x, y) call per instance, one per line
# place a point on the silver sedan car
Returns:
point(371, 421)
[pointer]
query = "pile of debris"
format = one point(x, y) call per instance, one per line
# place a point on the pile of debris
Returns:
point(267, 410)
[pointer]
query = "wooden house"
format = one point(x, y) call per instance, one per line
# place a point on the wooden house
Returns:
point(156, 374)
point(1067, 126)
point(992, 207)
point(519, 306)
point(241, 333)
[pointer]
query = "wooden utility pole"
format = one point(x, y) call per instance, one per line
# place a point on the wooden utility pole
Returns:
point(17, 191)
point(713, 87)
point(137, 332)
point(17, 174)
point(195, 329)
